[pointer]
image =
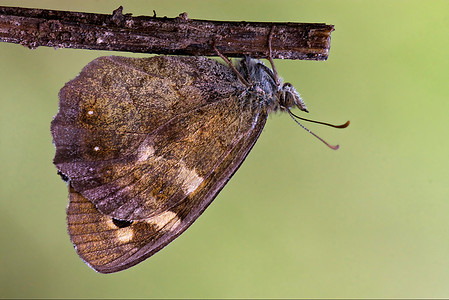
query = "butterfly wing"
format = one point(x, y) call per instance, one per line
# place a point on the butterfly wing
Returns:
point(153, 149)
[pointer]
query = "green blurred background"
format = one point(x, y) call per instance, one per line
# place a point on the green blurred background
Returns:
point(297, 219)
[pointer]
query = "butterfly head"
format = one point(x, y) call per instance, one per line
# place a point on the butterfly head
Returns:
point(288, 97)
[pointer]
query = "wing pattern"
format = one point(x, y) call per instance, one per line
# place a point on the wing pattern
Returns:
point(146, 145)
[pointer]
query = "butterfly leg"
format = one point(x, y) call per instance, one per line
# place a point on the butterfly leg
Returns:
point(270, 56)
point(231, 65)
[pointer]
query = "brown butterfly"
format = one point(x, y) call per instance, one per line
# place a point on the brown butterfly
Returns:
point(146, 144)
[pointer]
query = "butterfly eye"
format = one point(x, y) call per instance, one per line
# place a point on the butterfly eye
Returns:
point(121, 223)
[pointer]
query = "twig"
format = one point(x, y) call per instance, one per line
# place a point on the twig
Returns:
point(151, 34)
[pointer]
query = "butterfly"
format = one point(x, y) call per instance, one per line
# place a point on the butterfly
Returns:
point(146, 144)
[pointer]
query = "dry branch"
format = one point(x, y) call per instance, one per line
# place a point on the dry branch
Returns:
point(151, 34)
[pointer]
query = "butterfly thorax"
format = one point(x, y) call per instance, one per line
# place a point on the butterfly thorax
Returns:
point(266, 91)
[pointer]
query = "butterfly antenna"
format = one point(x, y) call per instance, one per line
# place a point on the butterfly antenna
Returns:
point(309, 131)
point(322, 123)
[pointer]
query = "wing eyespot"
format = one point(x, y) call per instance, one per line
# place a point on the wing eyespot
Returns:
point(121, 223)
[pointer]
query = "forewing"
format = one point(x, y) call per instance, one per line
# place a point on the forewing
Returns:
point(136, 136)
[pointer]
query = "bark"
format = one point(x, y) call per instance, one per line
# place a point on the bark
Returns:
point(150, 34)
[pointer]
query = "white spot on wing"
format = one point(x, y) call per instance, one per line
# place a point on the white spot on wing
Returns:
point(110, 224)
point(164, 218)
point(145, 151)
point(122, 234)
point(125, 234)
point(190, 180)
